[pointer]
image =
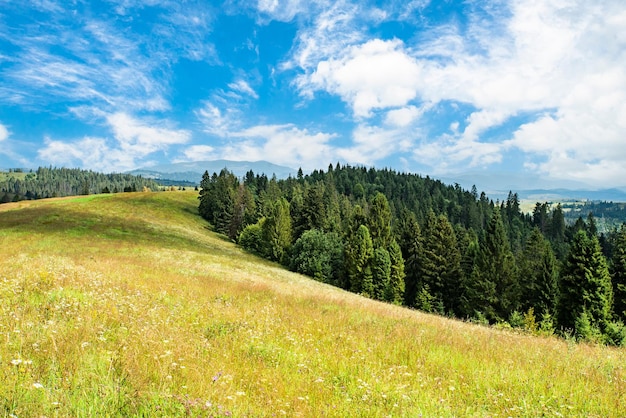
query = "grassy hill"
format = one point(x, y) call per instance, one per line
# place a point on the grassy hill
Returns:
point(126, 305)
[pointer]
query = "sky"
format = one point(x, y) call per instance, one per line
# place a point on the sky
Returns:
point(532, 89)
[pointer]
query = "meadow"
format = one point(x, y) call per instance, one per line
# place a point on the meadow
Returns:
point(128, 305)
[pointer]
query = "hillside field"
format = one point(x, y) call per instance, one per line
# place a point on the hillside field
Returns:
point(127, 305)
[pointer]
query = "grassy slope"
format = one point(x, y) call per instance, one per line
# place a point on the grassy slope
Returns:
point(117, 305)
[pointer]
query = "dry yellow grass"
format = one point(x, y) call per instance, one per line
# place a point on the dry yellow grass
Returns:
point(126, 305)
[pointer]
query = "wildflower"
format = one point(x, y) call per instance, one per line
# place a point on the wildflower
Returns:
point(16, 362)
point(217, 376)
point(37, 385)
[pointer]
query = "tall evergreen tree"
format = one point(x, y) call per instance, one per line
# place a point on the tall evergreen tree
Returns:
point(379, 221)
point(618, 273)
point(381, 272)
point(494, 275)
point(538, 276)
point(277, 231)
point(359, 253)
point(585, 284)
point(411, 245)
point(394, 292)
point(440, 263)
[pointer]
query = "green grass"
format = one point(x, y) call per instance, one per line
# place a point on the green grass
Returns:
point(127, 305)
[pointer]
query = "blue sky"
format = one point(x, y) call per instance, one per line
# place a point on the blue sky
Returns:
point(526, 88)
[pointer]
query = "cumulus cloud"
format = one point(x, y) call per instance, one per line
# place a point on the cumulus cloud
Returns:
point(375, 75)
point(558, 64)
point(282, 144)
point(133, 140)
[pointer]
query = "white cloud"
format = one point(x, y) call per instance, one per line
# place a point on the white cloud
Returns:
point(282, 10)
point(373, 143)
point(280, 144)
point(197, 153)
point(243, 87)
point(375, 75)
point(4, 132)
point(404, 116)
point(133, 140)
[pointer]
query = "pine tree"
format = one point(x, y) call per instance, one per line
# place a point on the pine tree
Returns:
point(585, 284)
point(410, 237)
point(394, 292)
point(381, 272)
point(440, 264)
point(379, 221)
point(359, 253)
point(538, 275)
point(492, 287)
point(618, 273)
point(277, 231)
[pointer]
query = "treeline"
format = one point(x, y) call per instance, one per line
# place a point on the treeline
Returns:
point(59, 182)
point(415, 241)
point(608, 214)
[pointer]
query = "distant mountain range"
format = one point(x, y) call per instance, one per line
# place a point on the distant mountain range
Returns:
point(193, 171)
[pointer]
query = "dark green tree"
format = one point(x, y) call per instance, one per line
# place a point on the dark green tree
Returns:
point(440, 263)
point(618, 273)
point(379, 221)
point(538, 275)
point(492, 287)
point(381, 272)
point(277, 231)
point(359, 252)
point(394, 292)
point(320, 255)
point(585, 284)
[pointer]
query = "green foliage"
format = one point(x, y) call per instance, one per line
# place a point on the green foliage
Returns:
point(359, 253)
point(251, 238)
point(538, 275)
point(379, 221)
point(492, 287)
point(394, 292)
point(319, 255)
point(618, 273)
point(427, 302)
point(586, 290)
point(276, 231)
point(615, 333)
point(59, 182)
point(381, 272)
point(516, 319)
point(585, 330)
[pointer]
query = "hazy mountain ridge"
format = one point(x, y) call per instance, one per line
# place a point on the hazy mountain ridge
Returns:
point(193, 171)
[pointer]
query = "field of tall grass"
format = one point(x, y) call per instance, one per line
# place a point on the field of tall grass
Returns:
point(127, 305)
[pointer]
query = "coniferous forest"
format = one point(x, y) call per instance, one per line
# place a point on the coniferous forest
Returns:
point(48, 182)
point(415, 241)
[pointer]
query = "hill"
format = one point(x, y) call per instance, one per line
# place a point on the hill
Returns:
point(192, 171)
point(126, 305)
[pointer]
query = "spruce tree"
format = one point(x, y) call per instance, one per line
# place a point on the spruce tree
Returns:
point(492, 287)
point(440, 264)
point(618, 273)
point(379, 221)
point(394, 292)
point(381, 272)
point(538, 275)
point(585, 284)
point(277, 231)
point(359, 253)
